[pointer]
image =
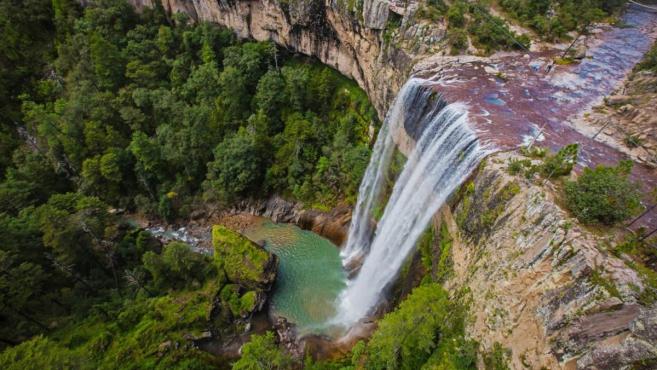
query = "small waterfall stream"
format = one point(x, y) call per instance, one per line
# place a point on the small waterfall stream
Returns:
point(445, 154)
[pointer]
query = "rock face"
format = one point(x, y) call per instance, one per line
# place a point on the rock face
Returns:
point(541, 285)
point(325, 29)
point(628, 119)
point(333, 225)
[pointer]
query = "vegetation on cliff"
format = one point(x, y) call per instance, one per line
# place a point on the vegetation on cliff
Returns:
point(554, 19)
point(603, 194)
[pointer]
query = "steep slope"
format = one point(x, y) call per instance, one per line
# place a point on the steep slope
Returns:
point(543, 286)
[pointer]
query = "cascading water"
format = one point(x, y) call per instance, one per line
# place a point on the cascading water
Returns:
point(445, 154)
point(361, 229)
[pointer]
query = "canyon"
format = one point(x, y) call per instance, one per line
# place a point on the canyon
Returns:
point(543, 286)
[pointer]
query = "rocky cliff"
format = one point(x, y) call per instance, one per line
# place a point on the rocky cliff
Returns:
point(551, 291)
point(349, 39)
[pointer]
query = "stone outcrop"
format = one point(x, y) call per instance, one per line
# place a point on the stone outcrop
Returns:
point(245, 263)
point(628, 119)
point(541, 285)
point(375, 14)
point(333, 225)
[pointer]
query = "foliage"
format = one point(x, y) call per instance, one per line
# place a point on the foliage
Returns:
point(603, 194)
point(40, 353)
point(562, 163)
point(144, 333)
point(262, 352)
point(237, 167)
point(178, 266)
point(553, 19)
point(633, 141)
point(649, 61)
point(426, 329)
point(491, 33)
point(496, 358)
point(550, 165)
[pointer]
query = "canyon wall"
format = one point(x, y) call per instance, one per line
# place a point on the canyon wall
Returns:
point(549, 290)
point(349, 40)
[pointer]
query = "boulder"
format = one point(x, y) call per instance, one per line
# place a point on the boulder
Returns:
point(244, 262)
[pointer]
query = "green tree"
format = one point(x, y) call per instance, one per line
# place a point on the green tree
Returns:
point(561, 163)
point(177, 267)
point(237, 167)
point(107, 61)
point(297, 153)
point(270, 97)
point(406, 337)
point(262, 353)
point(603, 194)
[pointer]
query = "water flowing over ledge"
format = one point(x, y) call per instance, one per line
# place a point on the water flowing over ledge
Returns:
point(445, 154)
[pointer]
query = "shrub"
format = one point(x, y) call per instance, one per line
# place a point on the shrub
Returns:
point(457, 39)
point(649, 60)
point(178, 266)
point(633, 141)
point(262, 352)
point(497, 358)
point(603, 194)
point(561, 163)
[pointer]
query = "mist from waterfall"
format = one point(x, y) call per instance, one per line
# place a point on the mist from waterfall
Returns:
point(445, 154)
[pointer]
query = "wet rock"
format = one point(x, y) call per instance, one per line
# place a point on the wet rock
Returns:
point(198, 214)
point(579, 52)
point(287, 336)
point(332, 225)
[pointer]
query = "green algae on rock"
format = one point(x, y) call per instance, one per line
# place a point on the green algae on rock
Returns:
point(245, 262)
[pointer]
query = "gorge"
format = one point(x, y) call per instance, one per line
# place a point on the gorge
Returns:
point(328, 184)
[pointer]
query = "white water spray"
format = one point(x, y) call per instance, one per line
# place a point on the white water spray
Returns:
point(445, 154)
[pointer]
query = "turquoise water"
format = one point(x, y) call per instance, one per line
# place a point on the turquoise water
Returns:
point(310, 276)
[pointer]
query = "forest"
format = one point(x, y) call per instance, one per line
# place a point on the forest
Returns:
point(108, 111)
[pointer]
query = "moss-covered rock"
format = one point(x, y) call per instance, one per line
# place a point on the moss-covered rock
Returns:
point(245, 263)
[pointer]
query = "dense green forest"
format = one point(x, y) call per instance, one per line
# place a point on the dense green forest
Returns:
point(105, 109)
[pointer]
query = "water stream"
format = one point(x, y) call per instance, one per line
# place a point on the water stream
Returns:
point(445, 154)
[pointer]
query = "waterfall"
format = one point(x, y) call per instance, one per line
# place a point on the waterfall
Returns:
point(444, 155)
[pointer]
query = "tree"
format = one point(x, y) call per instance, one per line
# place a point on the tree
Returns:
point(406, 337)
point(298, 151)
point(603, 194)
point(26, 42)
point(237, 167)
point(262, 353)
point(270, 97)
point(178, 266)
point(107, 61)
